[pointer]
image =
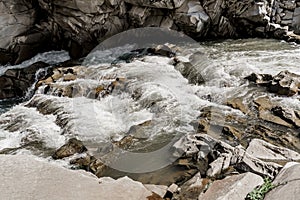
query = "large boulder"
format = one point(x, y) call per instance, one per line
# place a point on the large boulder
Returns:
point(24, 177)
point(235, 187)
point(287, 183)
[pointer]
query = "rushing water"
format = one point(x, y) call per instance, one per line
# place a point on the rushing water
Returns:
point(163, 97)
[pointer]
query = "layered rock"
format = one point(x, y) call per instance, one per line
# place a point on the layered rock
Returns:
point(79, 26)
point(16, 82)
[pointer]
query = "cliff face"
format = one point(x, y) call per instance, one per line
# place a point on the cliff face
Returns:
point(31, 26)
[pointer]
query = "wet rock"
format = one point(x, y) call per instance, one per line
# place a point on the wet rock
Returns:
point(72, 147)
point(264, 108)
point(260, 79)
point(268, 152)
point(287, 183)
point(16, 82)
point(6, 57)
point(238, 103)
point(190, 72)
point(285, 83)
point(287, 114)
point(235, 187)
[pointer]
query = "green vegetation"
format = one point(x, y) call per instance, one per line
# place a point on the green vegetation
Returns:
point(260, 192)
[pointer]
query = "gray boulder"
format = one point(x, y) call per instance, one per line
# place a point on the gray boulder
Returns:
point(24, 177)
point(234, 187)
point(287, 183)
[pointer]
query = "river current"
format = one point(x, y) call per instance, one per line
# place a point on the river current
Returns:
point(165, 98)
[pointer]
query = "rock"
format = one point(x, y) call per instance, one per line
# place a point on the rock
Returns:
point(268, 152)
point(296, 20)
point(235, 187)
point(157, 4)
point(256, 13)
point(47, 181)
point(238, 103)
point(260, 79)
point(160, 190)
point(285, 83)
point(287, 114)
point(6, 57)
point(79, 26)
point(192, 18)
point(287, 183)
point(16, 82)
point(191, 189)
point(190, 72)
point(72, 147)
point(17, 17)
point(264, 108)
point(172, 189)
point(247, 163)
point(221, 155)
point(219, 165)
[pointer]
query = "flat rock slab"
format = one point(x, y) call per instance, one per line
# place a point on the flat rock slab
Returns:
point(269, 152)
point(288, 181)
point(24, 177)
point(232, 188)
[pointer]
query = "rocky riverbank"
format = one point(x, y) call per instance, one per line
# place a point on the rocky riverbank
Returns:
point(91, 118)
point(32, 26)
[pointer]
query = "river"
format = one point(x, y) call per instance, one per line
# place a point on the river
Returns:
point(163, 98)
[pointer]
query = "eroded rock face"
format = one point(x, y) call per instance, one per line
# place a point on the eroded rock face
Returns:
point(17, 17)
point(79, 26)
